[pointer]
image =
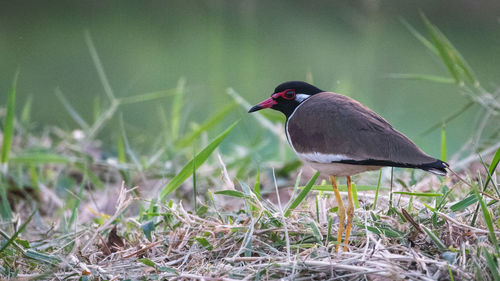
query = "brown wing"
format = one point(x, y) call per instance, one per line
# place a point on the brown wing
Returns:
point(334, 124)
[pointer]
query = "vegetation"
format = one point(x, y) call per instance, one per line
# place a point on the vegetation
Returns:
point(182, 210)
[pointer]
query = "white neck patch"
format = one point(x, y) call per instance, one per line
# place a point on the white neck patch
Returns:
point(301, 97)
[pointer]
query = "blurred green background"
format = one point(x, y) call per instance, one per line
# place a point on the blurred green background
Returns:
point(345, 46)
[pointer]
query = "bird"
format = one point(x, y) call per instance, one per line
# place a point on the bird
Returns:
point(340, 137)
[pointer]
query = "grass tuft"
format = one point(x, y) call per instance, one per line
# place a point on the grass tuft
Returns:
point(8, 126)
point(200, 158)
point(303, 193)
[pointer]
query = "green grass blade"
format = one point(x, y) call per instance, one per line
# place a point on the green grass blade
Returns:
point(122, 156)
point(256, 186)
point(147, 262)
point(424, 77)
point(98, 65)
point(204, 242)
point(456, 64)
point(465, 67)
point(429, 207)
point(177, 109)
point(317, 207)
point(377, 189)
point(34, 179)
point(90, 175)
point(71, 111)
point(246, 189)
point(147, 97)
point(484, 187)
point(148, 227)
point(295, 188)
point(457, 58)
point(355, 196)
point(442, 201)
point(128, 149)
point(167, 269)
point(443, 143)
point(420, 194)
point(164, 124)
point(8, 126)
point(21, 229)
point(488, 220)
point(316, 233)
point(450, 274)
point(492, 266)
point(493, 166)
point(420, 37)
point(200, 158)
point(249, 247)
point(441, 48)
point(329, 230)
point(464, 203)
point(434, 238)
point(96, 108)
point(34, 158)
point(385, 230)
point(5, 209)
point(210, 123)
point(41, 257)
point(231, 193)
point(26, 112)
point(301, 195)
point(152, 264)
point(74, 211)
point(478, 271)
point(495, 187)
point(195, 191)
point(448, 118)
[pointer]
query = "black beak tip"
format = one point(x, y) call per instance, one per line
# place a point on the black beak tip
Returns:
point(255, 108)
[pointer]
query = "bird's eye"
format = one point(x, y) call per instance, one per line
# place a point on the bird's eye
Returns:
point(290, 94)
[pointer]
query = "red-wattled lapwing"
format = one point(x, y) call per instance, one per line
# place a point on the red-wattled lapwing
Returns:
point(339, 136)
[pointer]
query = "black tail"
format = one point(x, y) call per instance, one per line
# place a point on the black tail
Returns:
point(438, 167)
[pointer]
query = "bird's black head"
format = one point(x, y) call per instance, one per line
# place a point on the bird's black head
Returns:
point(287, 96)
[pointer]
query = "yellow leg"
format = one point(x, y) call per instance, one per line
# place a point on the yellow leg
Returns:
point(340, 212)
point(350, 214)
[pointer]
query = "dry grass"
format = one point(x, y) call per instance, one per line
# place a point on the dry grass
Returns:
point(255, 242)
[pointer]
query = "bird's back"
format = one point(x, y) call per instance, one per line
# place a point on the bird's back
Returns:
point(339, 129)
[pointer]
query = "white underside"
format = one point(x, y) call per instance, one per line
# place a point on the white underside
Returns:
point(323, 163)
point(322, 158)
point(339, 169)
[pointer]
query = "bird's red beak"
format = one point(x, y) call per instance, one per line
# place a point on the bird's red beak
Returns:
point(265, 104)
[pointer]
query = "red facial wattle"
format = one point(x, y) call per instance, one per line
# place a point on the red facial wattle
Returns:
point(286, 94)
